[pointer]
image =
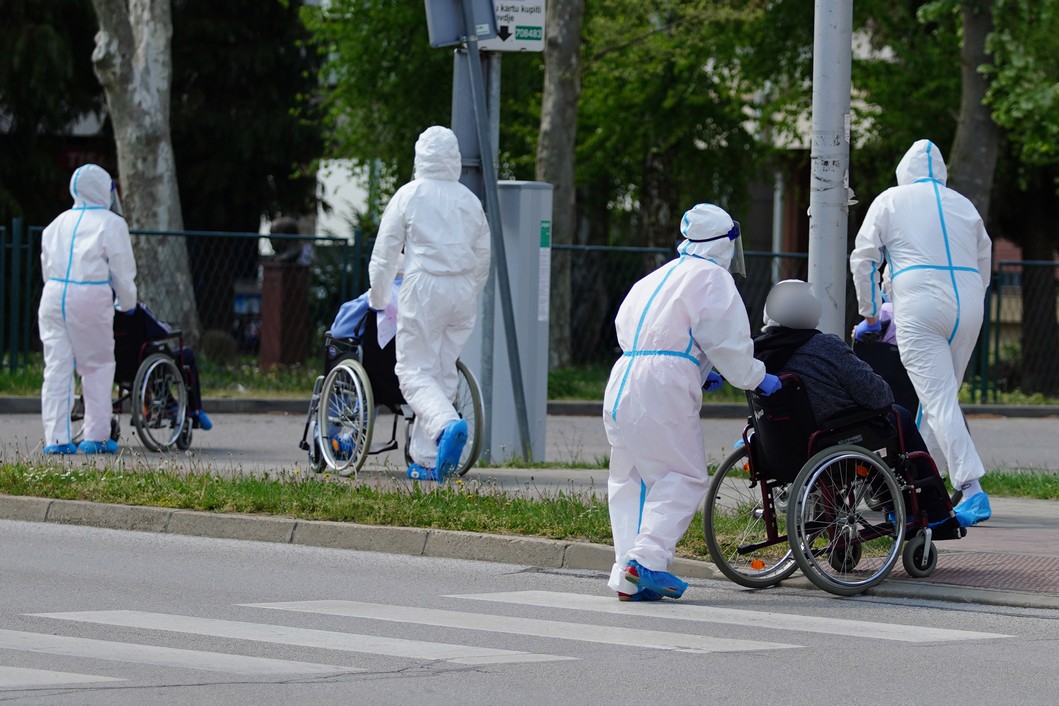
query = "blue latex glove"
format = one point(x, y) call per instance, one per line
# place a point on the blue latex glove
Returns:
point(770, 384)
point(713, 381)
point(864, 330)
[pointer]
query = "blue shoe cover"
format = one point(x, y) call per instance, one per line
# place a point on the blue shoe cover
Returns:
point(450, 446)
point(342, 446)
point(204, 421)
point(64, 449)
point(973, 510)
point(661, 582)
point(644, 594)
point(98, 447)
point(417, 472)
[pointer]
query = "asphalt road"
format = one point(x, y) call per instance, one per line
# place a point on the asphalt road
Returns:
point(91, 616)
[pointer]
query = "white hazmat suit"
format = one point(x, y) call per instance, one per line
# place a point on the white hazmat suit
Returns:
point(675, 325)
point(938, 259)
point(86, 261)
point(441, 227)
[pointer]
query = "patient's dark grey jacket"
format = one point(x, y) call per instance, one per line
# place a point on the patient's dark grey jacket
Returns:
point(836, 380)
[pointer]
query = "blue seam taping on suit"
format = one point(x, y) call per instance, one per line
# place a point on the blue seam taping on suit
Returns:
point(636, 336)
point(74, 281)
point(945, 238)
point(671, 354)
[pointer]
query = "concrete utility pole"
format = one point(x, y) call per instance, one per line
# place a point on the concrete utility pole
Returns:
point(829, 183)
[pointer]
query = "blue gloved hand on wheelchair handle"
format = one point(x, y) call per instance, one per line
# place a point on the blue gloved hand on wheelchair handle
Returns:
point(714, 381)
point(866, 331)
point(769, 384)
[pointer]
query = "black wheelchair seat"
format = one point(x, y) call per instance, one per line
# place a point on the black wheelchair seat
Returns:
point(378, 362)
point(786, 432)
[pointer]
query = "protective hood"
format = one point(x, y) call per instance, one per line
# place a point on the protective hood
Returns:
point(792, 304)
point(438, 155)
point(91, 185)
point(923, 160)
point(706, 229)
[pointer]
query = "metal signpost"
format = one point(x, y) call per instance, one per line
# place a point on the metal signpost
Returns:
point(469, 22)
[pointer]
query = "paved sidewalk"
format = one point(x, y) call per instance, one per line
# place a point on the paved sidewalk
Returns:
point(1013, 559)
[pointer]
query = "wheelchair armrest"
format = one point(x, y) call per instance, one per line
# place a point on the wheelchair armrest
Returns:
point(174, 332)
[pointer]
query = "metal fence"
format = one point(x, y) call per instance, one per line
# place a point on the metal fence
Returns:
point(225, 271)
point(1017, 349)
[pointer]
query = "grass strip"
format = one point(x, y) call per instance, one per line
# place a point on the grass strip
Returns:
point(465, 505)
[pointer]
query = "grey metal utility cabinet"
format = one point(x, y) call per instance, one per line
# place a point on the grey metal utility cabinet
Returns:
point(526, 217)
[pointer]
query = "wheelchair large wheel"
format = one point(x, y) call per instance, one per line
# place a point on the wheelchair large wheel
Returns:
point(468, 404)
point(159, 402)
point(744, 546)
point(840, 543)
point(345, 417)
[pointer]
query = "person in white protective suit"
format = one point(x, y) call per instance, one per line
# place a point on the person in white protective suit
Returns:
point(675, 326)
point(938, 254)
point(89, 270)
point(440, 225)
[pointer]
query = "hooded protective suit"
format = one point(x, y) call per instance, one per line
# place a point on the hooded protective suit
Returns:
point(86, 261)
point(441, 227)
point(938, 257)
point(675, 325)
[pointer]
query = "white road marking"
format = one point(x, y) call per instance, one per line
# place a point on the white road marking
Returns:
point(21, 677)
point(526, 626)
point(304, 637)
point(731, 616)
point(161, 656)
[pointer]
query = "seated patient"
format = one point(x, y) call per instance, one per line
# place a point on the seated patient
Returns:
point(836, 381)
point(140, 324)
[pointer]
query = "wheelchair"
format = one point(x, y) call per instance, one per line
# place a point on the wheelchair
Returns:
point(152, 378)
point(841, 502)
point(358, 383)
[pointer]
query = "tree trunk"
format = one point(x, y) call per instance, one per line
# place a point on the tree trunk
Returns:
point(658, 226)
point(132, 60)
point(974, 150)
point(555, 156)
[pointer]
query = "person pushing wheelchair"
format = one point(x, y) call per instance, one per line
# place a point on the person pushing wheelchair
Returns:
point(440, 226)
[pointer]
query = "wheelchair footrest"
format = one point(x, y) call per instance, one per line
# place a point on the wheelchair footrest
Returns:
point(383, 447)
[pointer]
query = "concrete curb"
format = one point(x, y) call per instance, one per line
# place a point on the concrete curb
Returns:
point(556, 408)
point(442, 544)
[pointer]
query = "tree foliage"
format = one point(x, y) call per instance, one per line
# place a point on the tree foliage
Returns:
point(244, 121)
point(46, 85)
point(1024, 92)
point(662, 121)
point(383, 84)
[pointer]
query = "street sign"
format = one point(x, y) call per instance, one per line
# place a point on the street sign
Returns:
point(445, 21)
point(519, 26)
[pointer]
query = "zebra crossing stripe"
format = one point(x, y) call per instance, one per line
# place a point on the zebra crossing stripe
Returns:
point(525, 626)
point(731, 616)
point(21, 677)
point(159, 656)
point(303, 637)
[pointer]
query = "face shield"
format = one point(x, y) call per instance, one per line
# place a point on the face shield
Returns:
point(737, 265)
point(115, 200)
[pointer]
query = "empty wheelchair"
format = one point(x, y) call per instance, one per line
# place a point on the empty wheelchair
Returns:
point(359, 383)
point(842, 502)
point(152, 378)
